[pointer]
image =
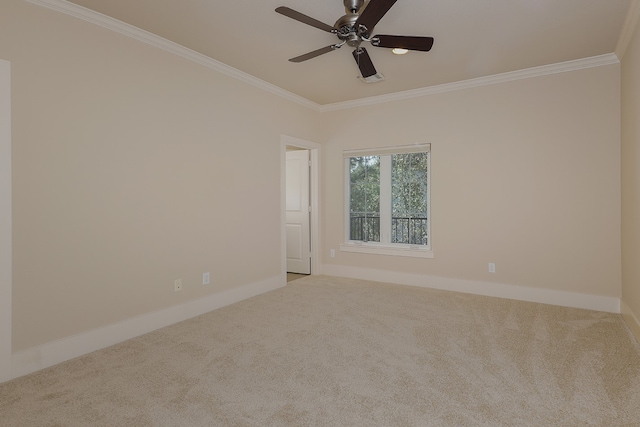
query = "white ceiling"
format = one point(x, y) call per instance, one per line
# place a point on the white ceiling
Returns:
point(473, 38)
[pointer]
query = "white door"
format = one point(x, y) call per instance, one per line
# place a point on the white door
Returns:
point(298, 231)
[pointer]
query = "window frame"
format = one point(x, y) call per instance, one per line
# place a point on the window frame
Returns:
point(385, 247)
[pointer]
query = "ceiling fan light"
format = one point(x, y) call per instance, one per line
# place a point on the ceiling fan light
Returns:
point(399, 51)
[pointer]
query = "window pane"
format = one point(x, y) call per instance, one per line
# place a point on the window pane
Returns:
point(409, 198)
point(364, 204)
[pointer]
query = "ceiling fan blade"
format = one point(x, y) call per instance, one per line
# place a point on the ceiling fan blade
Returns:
point(423, 44)
point(373, 13)
point(304, 18)
point(364, 62)
point(313, 54)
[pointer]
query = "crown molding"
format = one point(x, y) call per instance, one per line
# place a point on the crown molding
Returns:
point(176, 49)
point(561, 67)
point(128, 30)
point(628, 28)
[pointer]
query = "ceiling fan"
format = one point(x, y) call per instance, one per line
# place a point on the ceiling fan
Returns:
point(356, 27)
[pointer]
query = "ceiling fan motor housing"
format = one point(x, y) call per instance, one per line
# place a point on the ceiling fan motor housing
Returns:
point(345, 27)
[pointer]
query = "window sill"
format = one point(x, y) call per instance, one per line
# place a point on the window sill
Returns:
point(382, 249)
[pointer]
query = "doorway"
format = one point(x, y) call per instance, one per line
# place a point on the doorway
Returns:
point(292, 247)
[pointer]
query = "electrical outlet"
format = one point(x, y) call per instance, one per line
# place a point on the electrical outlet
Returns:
point(206, 278)
point(332, 253)
point(492, 267)
point(177, 285)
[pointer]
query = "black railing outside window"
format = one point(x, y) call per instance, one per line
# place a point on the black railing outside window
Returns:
point(409, 230)
point(365, 228)
point(406, 230)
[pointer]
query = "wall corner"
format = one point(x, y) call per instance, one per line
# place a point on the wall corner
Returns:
point(631, 319)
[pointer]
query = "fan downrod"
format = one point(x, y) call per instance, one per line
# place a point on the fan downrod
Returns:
point(353, 6)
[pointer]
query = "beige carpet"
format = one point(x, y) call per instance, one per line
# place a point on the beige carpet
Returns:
point(338, 352)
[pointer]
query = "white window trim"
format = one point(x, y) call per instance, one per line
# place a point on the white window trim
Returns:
point(392, 249)
point(377, 248)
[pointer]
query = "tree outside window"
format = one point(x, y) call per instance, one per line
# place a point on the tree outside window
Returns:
point(364, 192)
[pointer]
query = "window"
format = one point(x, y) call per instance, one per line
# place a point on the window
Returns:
point(387, 200)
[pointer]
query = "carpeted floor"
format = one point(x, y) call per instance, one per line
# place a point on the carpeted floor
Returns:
point(324, 351)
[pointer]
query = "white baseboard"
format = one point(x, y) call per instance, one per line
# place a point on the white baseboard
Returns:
point(522, 293)
point(43, 356)
point(632, 320)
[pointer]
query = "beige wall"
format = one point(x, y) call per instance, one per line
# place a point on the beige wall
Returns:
point(631, 183)
point(132, 167)
point(525, 174)
point(5, 221)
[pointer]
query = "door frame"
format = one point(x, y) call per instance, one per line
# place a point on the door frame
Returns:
point(314, 199)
